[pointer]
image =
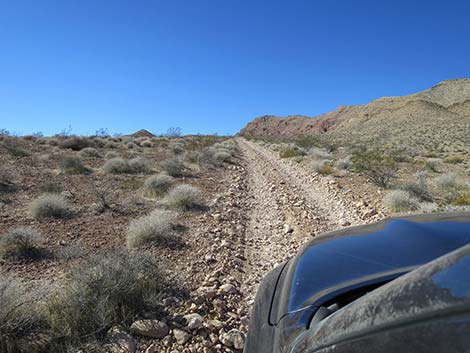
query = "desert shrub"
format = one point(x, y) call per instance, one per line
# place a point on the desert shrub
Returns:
point(419, 189)
point(319, 153)
point(21, 244)
point(379, 166)
point(53, 142)
point(344, 163)
point(139, 165)
point(7, 183)
point(174, 167)
point(191, 157)
point(400, 201)
point(73, 165)
point(183, 197)
point(110, 288)
point(146, 143)
point(76, 143)
point(158, 185)
point(222, 156)
point(18, 313)
point(155, 227)
point(111, 154)
point(431, 165)
point(116, 165)
point(446, 181)
point(290, 152)
point(131, 145)
point(13, 147)
point(317, 165)
point(89, 152)
point(462, 200)
point(50, 206)
point(307, 142)
point(111, 144)
point(453, 159)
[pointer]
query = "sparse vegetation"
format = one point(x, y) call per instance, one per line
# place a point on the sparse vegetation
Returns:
point(400, 201)
point(462, 200)
point(50, 206)
point(183, 197)
point(158, 185)
point(21, 244)
point(453, 159)
point(7, 183)
point(119, 165)
point(419, 189)
point(89, 152)
point(446, 181)
point(153, 228)
point(13, 147)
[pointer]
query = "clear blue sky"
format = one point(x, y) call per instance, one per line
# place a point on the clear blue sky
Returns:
point(212, 66)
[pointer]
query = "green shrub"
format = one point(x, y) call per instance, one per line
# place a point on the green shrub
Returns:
point(291, 152)
point(379, 166)
point(183, 197)
point(73, 165)
point(453, 159)
point(152, 228)
point(21, 244)
point(174, 167)
point(462, 200)
point(111, 288)
point(400, 201)
point(76, 143)
point(50, 206)
point(158, 185)
point(307, 142)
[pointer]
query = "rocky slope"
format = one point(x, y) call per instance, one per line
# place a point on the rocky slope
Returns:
point(415, 120)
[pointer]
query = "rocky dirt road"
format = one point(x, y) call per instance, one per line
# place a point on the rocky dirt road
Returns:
point(286, 207)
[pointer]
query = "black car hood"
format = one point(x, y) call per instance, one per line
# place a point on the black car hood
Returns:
point(382, 251)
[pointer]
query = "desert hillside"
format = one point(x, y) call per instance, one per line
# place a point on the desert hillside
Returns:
point(415, 121)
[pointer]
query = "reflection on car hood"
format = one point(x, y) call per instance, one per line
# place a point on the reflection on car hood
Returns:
point(390, 250)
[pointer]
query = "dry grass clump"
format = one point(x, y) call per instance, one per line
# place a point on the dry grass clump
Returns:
point(182, 197)
point(111, 288)
point(50, 206)
point(453, 159)
point(76, 143)
point(344, 163)
point(18, 313)
point(173, 167)
point(14, 147)
point(152, 228)
point(21, 244)
point(419, 189)
point(400, 201)
point(89, 152)
point(158, 185)
point(177, 147)
point(146, 144)
point(119, 165)
point(319, 153)
point(73, 165)
point(446, 181)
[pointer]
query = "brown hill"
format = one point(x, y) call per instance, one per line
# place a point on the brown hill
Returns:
point(142, 133)
point(436, 118)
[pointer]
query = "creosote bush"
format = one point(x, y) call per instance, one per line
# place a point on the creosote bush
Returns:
point(291, 152)
point(153, 228)
point(73, 165)
point(158, 185)
point(381, 167)
point(111, 288)
point(400, 201)
point(76, 143)
point(21, 244)
point(50, 206)
point(183, 197)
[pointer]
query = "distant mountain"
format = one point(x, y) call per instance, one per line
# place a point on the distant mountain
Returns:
point(437, 118)
point(142, 133)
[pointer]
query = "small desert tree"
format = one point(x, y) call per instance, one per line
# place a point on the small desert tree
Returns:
point(380, 166)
